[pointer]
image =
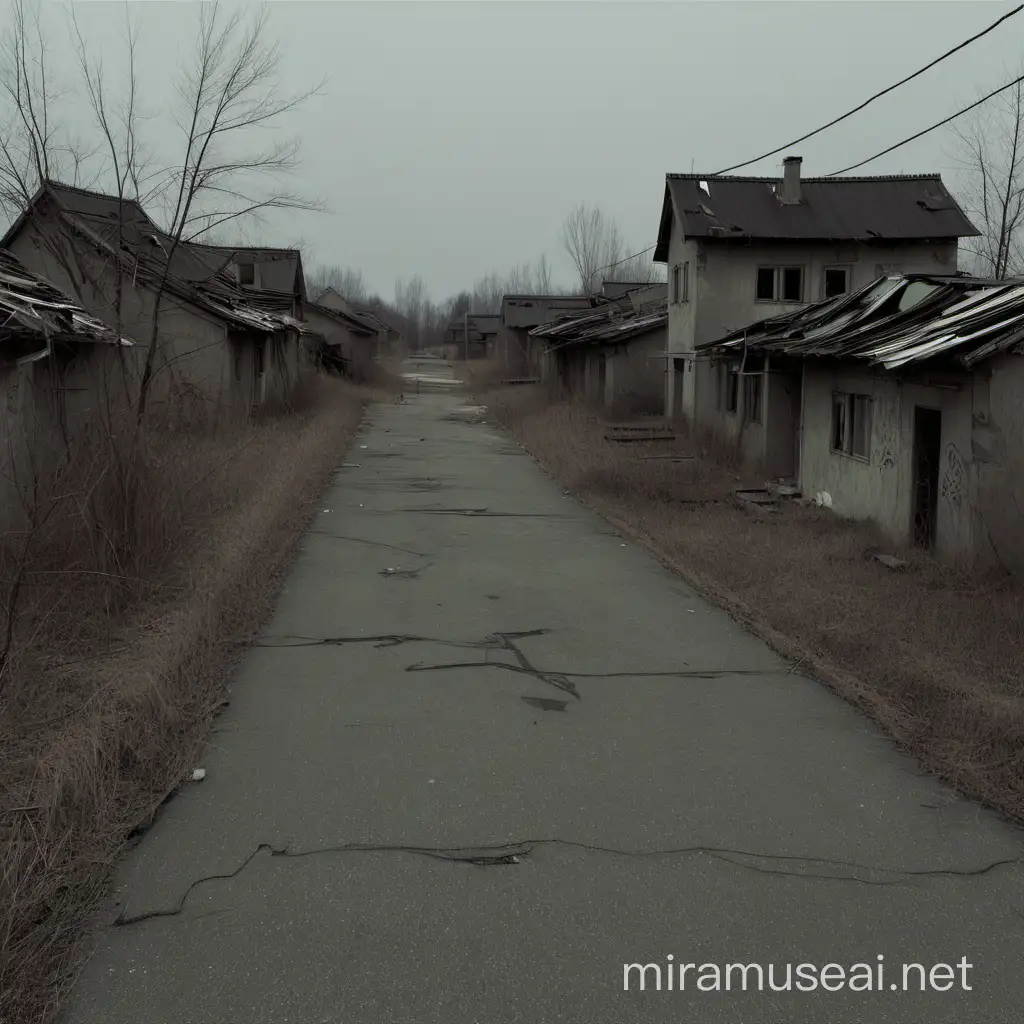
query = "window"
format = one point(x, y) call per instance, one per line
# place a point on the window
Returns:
point(837, 281)
point(680, 290)
point(780, 284)
point(752, 386)
point(247, 273)
point(851, 424)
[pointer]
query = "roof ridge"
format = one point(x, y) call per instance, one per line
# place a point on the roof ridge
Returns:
point(54, 183)
point(931, 176)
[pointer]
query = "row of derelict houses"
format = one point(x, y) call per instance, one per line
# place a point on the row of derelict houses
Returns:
point(819, 327)
point(99, 306)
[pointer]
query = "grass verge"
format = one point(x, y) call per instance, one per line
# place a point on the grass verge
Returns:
point(106, 707)
point(934, 655)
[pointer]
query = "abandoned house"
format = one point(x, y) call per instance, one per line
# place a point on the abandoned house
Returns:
point(60, 366)
point(518, 353)
point(898, 403)
point(389, 333)
point(225, 343)
point(349, 343)
point(473, 336)
point(743, 249)
point(612, 356)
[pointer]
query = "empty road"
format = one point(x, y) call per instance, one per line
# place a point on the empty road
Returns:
point(486, 753)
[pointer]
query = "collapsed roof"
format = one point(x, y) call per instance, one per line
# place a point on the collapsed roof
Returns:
point(897, 320)
point(34, 314)
point(201, 274)
point(611, 324)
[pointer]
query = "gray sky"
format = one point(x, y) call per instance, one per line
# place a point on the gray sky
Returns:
point(453, 138)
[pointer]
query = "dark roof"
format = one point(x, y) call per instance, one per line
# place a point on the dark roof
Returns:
point(202, 275)
point(892, 208)
point(612, 323)
point(110, 219)
point(897, 320)
point(351, 322)
point(33, 312)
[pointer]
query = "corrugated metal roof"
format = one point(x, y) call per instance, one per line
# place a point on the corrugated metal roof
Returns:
point(863, 209)
point(611, 324)
point(33, 311)
point(897, 320)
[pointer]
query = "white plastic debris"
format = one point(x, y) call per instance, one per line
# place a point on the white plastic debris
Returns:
point(198, 774)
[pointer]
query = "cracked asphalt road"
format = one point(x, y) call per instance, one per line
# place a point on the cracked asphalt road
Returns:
point(388, 832)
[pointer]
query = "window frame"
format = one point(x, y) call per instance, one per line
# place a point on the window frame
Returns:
point(778, 283)
point(847, 271)
point(249, 266)
point(674, 288)
point(855, 416)
point(753, 396)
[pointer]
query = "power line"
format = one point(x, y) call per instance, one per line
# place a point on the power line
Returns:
point(938, 124)
point(627, 258)
point(877, 95)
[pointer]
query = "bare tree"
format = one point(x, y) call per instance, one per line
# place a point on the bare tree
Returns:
point(989, 150)
point(593, 242)
point(410, 301)
point(230, 92)
point(35, 143)
point(346, 281)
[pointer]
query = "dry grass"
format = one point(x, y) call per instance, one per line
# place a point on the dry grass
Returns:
point(104, 712)
point(934, 655)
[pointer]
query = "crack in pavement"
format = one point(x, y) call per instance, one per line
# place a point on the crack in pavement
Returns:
point(511, 853)
point(506, 641)
point(396, 639)
point(484, 512)
point(372, 543)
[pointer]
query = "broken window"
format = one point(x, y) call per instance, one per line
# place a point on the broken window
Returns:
point(247, 273)
point(837, 281)
point(780, 284)
point(851, 424)
point(766, 283)
point(752, 387)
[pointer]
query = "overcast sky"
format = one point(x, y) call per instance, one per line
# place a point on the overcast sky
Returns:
point(453, 138)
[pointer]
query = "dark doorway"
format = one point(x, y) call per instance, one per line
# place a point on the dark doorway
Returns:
point(927, 452)
point(602, 377)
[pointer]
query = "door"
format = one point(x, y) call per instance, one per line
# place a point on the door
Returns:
point(927, 452)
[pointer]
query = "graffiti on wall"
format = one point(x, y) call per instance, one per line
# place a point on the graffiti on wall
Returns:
point(954, 480)
point(886, 446)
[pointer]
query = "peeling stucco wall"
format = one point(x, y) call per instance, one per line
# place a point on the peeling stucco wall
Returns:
point(881, 487)
point(997, 464)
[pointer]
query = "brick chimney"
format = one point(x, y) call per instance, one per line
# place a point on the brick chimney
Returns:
point(790, 193)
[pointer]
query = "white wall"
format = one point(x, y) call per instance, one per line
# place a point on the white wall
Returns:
point(881, 486)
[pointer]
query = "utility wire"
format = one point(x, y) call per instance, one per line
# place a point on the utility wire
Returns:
point(850, 113)
point(938, 124)
point(627, 258)
point(877, 95)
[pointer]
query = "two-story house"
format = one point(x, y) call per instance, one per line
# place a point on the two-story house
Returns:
point(741, 249)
